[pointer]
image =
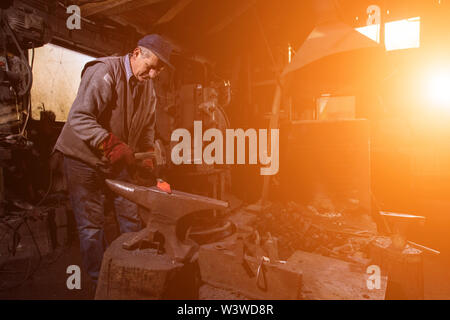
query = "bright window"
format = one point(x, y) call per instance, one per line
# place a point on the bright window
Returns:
point(56, 77)
point(372, 32)
point(402, 34)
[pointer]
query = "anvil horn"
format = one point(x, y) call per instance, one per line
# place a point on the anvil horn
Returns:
point(177, 203)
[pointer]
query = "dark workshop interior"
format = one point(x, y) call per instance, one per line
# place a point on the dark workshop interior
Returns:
point(299, 150)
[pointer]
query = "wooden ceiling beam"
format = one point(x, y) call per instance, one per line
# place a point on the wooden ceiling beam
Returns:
point(113, 6)
point(245, 5)
point(126, 22)
point(119, 6)
point(90, 9)
point(173, 11)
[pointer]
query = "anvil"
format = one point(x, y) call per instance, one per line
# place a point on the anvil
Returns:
point(162, 211)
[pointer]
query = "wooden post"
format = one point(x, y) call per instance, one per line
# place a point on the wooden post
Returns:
point(274, 122)
point(2, 192)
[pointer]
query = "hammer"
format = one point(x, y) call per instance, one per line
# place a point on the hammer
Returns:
point(158, 154)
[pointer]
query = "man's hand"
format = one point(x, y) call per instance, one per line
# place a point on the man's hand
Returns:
point(148, 163)
point(116, 150)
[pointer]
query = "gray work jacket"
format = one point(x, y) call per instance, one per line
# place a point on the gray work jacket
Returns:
point(104, 104)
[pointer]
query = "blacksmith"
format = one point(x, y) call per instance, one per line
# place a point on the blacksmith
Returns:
point(111, 119)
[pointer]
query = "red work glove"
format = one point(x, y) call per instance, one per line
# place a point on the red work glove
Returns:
point(162, 185)
point(116, 150)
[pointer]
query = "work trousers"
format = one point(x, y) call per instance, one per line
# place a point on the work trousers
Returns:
point(88, 196)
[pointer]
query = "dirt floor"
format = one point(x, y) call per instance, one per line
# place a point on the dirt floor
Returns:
point(49, 281)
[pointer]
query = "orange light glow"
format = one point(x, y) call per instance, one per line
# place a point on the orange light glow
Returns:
point(439, 88)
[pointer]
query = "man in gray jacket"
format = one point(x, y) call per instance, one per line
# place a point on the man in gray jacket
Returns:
point(112, 117)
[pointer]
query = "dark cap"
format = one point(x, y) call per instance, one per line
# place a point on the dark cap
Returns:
point(160, 47)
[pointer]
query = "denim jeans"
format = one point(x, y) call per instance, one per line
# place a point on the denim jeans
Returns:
point(88, 195)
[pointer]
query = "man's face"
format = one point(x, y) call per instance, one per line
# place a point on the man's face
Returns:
point(145, 67)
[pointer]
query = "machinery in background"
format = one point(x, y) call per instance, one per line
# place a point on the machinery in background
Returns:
point(194, 93)
point(28, 25)
point(24, 227)
point(22, 28)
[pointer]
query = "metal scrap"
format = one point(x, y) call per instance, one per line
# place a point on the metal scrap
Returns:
point(298, 227)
